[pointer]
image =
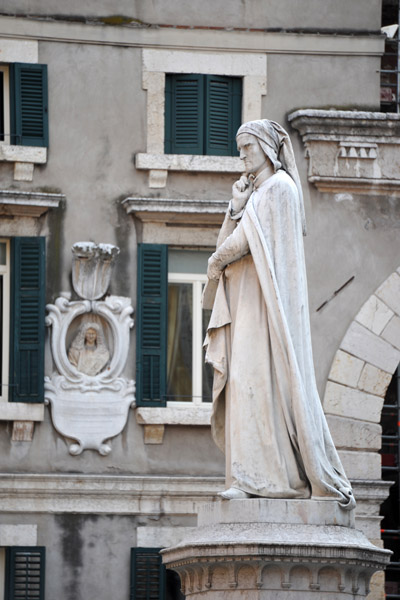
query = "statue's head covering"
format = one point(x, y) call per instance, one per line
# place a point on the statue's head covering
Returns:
point(79, 341)
point(276, 145)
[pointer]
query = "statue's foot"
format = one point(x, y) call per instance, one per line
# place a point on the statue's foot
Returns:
point(234, 494)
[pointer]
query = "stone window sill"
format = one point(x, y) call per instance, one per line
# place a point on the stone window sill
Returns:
point(21, 411)
point(24, 416)
point(24, 159)
point(154, 419)
point(172, 211)
point(27, 204)
point(158, 165)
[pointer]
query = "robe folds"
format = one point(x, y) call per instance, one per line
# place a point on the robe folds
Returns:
point(267, 415)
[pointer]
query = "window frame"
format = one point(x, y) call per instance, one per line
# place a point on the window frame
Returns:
point(198, 281)
point(202, 108)
point(24, 157)
point(15, 403)
point(157, 414)
point(156, 63)
point(137, 557)
point(33, 576)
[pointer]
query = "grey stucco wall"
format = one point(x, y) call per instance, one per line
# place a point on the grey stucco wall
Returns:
point(185, 451)
point(331, 14)
point(97, 124)
point(88, 556)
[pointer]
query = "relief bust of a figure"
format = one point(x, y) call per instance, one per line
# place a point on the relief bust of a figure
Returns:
point(88, 351)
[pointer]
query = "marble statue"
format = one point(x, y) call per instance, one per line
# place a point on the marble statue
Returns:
point(267, 415)
point(88, 351)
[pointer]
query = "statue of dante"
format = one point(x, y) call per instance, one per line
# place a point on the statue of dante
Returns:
point(88, 351)
point(267, 415)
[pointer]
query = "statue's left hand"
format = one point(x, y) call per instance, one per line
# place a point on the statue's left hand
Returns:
point(214, 270)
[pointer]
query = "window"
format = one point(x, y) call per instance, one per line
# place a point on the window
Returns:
point(390, 62)
point(390, 509)
point(23, 108)
point(24, 573)
point(160, 66)
point(202, 114)
point(171, 327)
point(150, 580)
point(22, 279)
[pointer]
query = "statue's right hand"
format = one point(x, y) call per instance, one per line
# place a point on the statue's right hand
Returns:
point(241, 192)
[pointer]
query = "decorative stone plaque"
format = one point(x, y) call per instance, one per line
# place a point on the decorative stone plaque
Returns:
point(89, 397)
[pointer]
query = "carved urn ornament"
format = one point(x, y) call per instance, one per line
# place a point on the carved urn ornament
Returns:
point(89, 397)
point(91, 268)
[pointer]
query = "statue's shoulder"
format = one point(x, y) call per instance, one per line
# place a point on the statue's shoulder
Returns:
point(280, 182)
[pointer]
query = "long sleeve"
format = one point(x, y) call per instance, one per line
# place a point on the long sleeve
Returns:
point(229, 224)
point(234, 247)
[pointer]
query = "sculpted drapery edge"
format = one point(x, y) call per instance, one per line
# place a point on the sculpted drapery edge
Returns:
point(267, 415)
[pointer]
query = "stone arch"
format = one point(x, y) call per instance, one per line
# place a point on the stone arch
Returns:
point(360, 374)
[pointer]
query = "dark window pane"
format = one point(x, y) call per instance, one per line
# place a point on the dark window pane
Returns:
point(390, 60)
point(207, 369)
point(1, 333)
point(390, 509)
point(2, 106)
point(180, 335)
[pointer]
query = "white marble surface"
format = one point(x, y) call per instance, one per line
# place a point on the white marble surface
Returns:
point(260, 549)
point(90, 409)
point(265, 510)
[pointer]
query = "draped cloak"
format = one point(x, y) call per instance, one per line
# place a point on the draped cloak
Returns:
point(267, 415)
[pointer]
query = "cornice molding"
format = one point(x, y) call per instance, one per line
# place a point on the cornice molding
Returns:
point(353, 152)
point(131, 494)
point(172, 210)
point(27, 204)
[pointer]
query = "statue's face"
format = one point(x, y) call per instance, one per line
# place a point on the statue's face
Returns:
point(91, 336)
point(251, 153)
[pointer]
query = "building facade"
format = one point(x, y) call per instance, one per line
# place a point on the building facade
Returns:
point(118, 128)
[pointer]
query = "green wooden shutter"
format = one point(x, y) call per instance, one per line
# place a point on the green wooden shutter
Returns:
point(29, 104)
point(168, 129)
point(27, 325)
point(147, 574)
point(184, 114)
point(25, 571)
point(151, 322)
point(223, 109)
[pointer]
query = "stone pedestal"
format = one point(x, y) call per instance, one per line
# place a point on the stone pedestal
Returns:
point(261, 549)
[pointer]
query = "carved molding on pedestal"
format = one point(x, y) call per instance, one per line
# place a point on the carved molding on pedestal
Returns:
point(351, 151)
point(264, 548)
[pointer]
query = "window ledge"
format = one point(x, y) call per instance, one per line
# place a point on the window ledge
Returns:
point(24, 159)
point(158, 165)
point(27, 204)
point(174, 415)
point(21, 411)
point(18, 535)
point(171, 210)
